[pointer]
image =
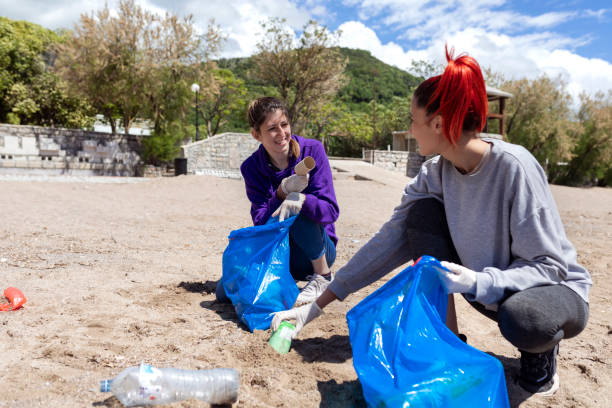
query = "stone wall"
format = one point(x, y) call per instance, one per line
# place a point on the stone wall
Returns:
point(408, 163)
point(220, 155)
point(393, 160)
point(35, 149)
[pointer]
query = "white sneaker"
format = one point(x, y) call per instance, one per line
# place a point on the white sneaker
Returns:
point(313, 289)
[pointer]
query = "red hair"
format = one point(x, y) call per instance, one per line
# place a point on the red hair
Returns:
point(459, 95)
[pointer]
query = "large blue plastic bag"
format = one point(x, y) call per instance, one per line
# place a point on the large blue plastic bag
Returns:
point(405, 356)
point(256, 275)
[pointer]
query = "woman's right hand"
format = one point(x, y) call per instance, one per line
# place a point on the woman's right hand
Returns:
point(302, 316)
point(292, 205)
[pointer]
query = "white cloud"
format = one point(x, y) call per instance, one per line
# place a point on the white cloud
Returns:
point(512, 43)
point(548, 19)
point(504, 40)
point(599, 14)
point(356, 35)
point(526, 56)
point(240, 19)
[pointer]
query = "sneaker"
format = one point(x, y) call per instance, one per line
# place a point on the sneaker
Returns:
point(313, 289)
point(538, 373)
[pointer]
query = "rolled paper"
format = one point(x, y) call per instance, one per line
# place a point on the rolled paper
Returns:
point(303, 167)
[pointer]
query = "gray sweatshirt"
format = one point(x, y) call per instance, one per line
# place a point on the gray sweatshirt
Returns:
point(503, 222)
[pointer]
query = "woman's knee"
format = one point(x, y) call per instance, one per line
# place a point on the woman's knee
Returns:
point(536, 319)
point(528, 325)
point(427, 231)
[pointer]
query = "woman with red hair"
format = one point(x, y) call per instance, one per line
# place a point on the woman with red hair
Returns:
point(484, 208)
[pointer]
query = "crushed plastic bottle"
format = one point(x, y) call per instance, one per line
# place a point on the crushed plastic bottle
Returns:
point(147, 385)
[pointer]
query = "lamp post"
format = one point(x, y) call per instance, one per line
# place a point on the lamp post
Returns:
point(195, 88)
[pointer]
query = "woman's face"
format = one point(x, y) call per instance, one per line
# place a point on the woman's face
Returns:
point(428, 133)
point(274, 133)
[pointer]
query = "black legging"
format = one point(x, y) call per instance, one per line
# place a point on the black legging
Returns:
point(534, 320)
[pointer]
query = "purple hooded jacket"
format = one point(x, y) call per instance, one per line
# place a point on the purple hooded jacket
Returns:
point(262, 180)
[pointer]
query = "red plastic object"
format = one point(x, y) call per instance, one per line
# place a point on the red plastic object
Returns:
point(15, 297)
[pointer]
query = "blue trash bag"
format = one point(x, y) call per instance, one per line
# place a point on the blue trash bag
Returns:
point(256, 275)
point(405, 356)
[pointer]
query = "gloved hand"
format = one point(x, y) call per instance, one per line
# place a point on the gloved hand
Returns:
point(302, 316)
point(458, 278)
point(290, 206)
point(294, 184)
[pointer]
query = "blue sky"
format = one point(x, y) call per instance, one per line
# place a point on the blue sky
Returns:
point(520, 38)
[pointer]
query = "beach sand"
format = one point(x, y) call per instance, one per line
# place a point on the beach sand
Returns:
point(120, 273)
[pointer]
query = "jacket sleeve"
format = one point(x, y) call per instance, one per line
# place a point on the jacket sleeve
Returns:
point(261, 193)
point(320, 204)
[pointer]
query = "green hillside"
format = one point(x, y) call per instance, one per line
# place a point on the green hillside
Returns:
point(365, 74)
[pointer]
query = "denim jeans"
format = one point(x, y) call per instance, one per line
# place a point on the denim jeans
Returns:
point(308, 240)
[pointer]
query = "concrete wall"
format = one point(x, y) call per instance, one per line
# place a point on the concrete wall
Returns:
point(220, 155)
point(35, 149)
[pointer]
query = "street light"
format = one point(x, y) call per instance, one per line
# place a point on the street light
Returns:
point(195, 88)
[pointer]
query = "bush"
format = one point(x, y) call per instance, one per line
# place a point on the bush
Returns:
point(163, 146)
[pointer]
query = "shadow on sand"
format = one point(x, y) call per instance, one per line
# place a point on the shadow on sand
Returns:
point(346, 394)
point(516, 394)
point(335, 349)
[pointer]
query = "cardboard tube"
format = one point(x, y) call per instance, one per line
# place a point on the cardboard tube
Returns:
point(303, 167)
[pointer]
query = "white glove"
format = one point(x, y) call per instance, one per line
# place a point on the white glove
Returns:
point(458, 278)
point(302, 316)
point(290, 206)
point(294, 184)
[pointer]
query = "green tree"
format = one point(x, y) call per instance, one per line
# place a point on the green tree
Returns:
point(319, 126)
point(307, 75)
point(133, 64)
point(592, 154)
point(349, 133)
point(102, 61)
point(538, 116)
point(181, 59)
point(392, 117)
point(227, 98)
point(29, 92)
point(425, 69)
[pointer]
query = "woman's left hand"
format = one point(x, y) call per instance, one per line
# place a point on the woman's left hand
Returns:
point(292, 205)
point(294, 184)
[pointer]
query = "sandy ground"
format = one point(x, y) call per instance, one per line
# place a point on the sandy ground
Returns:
point(119, 273)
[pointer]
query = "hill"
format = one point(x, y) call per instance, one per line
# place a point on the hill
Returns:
point(366, 74)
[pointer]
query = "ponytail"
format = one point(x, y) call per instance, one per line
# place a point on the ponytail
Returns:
point(294, 148)
point(459, 95)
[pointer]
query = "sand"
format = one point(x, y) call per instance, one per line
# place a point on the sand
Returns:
point(124, 272)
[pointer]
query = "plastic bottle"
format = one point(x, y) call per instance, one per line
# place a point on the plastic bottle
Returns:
point(146, 385)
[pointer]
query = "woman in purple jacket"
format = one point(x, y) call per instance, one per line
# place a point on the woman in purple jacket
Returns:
point(275, 190)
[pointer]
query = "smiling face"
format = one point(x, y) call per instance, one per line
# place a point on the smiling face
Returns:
point(274, 134)
point(427, 131)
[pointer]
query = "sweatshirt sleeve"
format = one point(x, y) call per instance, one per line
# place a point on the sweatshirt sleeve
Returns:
point(260, 193)
point(387, 249)
point(537, 248)
point(320, 204)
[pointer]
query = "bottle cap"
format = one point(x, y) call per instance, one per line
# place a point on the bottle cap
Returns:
point(105, 385)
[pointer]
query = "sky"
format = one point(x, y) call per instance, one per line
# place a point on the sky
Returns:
point(571, 39)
